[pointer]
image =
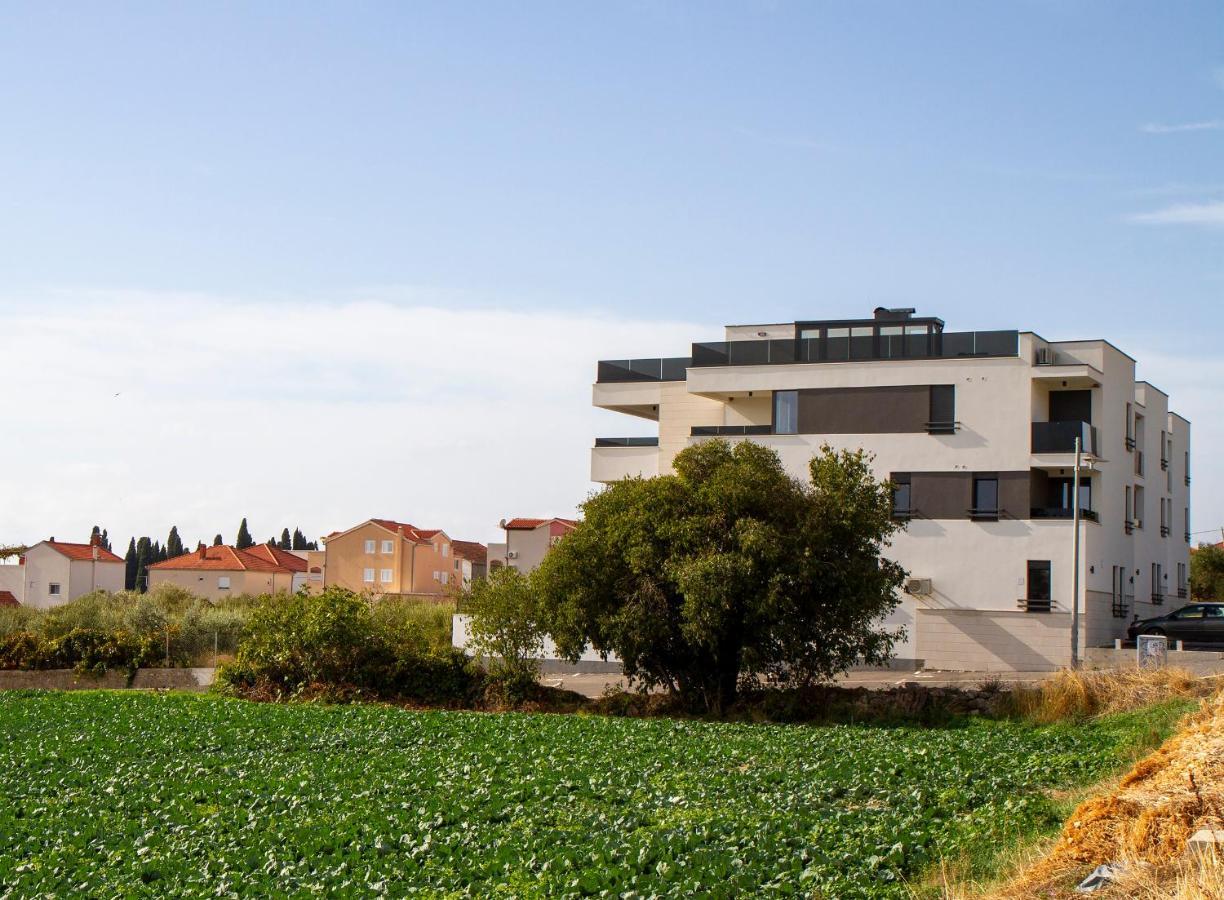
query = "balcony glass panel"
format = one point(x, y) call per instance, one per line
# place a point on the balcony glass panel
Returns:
point(646, 369)
point(627, 442)
point(711, 354)
point(1059, 437)
point(730, 430)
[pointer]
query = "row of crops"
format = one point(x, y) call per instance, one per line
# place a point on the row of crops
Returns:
point(133, 794)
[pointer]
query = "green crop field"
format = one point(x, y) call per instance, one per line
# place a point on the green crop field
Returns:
point(135, 794)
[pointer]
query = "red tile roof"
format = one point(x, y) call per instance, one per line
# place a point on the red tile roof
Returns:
point(411, 532)
point(7, 599)
point(471, 551)
point(82, 551)
point(230, 559)
point(278, 557)
point(526, 524)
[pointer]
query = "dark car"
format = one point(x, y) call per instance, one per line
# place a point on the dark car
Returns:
point(1198, 623)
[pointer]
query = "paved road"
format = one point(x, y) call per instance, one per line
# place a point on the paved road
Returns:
point(595, 685)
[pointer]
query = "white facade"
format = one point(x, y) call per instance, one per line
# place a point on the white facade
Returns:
point(53, 577)
point(979, 612)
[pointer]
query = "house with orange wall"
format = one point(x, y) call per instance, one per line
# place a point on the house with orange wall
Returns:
point(383, 556)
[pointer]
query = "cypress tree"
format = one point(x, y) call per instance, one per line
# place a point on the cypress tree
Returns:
point(244, 536)
point(174, 544)
point(129, 572)
point(299, 540)
point(106, 541)
point(217, 542)
point(144, 556)
point(285, 541)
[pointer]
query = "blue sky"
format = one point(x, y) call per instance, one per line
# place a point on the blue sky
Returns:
point(658, 167)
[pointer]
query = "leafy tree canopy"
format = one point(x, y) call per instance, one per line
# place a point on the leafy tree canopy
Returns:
point(1207, 572)
point(729, 568)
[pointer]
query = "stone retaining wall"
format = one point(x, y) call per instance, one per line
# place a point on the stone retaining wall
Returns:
point(68, 680)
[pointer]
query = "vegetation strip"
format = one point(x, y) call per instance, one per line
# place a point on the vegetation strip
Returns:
point(170, 794)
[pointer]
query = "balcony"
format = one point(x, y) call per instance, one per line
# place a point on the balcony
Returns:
point(1128, 526)
point(1059, 437)
point(1035, 605)
point(613, 371)
point(627, 442)
point(1129, 443)
point(730, 430)
point(615, 458)
point(1063, 512)
point(788, 351)
point(1165, 531)
point(1120, 605)
point(1157, 598)
point(1182, 593)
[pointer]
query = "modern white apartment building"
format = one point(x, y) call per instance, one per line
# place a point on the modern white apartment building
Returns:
point(977, 432)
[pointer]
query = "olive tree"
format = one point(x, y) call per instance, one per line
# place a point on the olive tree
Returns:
point(729, 568)
point(505, 624)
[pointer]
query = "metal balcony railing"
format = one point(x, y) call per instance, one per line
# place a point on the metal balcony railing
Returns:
point(1062, 512)
point(1035, 604)
point(786, 351)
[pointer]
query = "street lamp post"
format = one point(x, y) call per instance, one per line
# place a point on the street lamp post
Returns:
point(1075, 568)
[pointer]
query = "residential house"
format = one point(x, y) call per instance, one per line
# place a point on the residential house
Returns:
point(55, 572)
point(472, 559)
point(977, 433)
point(223, 571)
point(383, 556)
point(528, 541)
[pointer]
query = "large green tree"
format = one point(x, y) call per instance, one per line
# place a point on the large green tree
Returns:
point(244, 536)
point(729, 568)
point(1207, 572)
point(174, 543)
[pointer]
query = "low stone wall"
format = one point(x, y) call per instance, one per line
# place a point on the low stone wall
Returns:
point(68, 680)
point(1200, 662)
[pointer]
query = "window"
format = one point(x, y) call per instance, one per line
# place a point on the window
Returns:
point(1164, 517)
point(985, 497)
point(1187, 467)
point(367, 575)
point(223, 582)
point(1157, 584)
point(1182, 587)
point(901, 495)
point(1139, 510)
point(1038, 597)
point(1190, 612)
point(1138, 442)
point(456, 565)
point(53, 589)
point(446, 549)
point(942, 413)
point(1186, 516)
point(1127, 509)
point(1061, 490)
point(1166, 448)
point(369, 546)
point(1117, 592)
point(1213, 612)
point(388, 546)
point(437, 576)
point(786, 412)
point(384, 576)
point(445, 577)
point(1130, 429)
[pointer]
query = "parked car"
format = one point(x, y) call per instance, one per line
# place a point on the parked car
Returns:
point(1198, 623)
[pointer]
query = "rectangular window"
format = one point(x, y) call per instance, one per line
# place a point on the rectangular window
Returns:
point(1130, 428)
point(1137, 517)
point(901, 495)
point(456, 565)
point(942, 413)
point(369, 546)
point(367, 575)
point(388, 546)
point(445, 577)
point(446, 549)
point(1186, 516)
point(985, 497)
point(53, 589)
point(1038, 595)
point(1127, 510)
point(385, 576)
point(223, 582)
point(1157, 583)
point(1117, 592)
point(1182, 586)
point(786, 412)
point(437, 576)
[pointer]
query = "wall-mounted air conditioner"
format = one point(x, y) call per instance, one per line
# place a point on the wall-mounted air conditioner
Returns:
point(919, 587)
point(512, 554)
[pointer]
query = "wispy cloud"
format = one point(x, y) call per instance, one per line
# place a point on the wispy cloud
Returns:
point(1204, 125)
point(1207, 215)
point(197, 410)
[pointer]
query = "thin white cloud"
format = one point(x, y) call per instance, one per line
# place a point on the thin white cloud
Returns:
point(139, 411)
point(1204, 125)
point(1207, 215)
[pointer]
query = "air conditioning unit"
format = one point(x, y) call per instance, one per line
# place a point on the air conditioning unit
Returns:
point(919, 587)
point(1045, 356)
point(512, 554)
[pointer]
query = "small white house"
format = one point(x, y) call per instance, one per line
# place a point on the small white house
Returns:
point(56, 572)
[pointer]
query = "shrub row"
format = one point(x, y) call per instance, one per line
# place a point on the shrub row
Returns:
point(87, 651)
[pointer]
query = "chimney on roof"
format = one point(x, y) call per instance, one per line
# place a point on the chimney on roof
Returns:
point(202, 550)
point(51, 539)
point(895, 314)
point(95, 540)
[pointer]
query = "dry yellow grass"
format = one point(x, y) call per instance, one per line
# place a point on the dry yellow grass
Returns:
point(1145, 821)
point(1081, 693)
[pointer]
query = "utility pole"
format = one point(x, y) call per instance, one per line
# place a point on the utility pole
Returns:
point(1075, 569)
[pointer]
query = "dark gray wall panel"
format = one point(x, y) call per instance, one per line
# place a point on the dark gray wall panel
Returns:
point(864, 410)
